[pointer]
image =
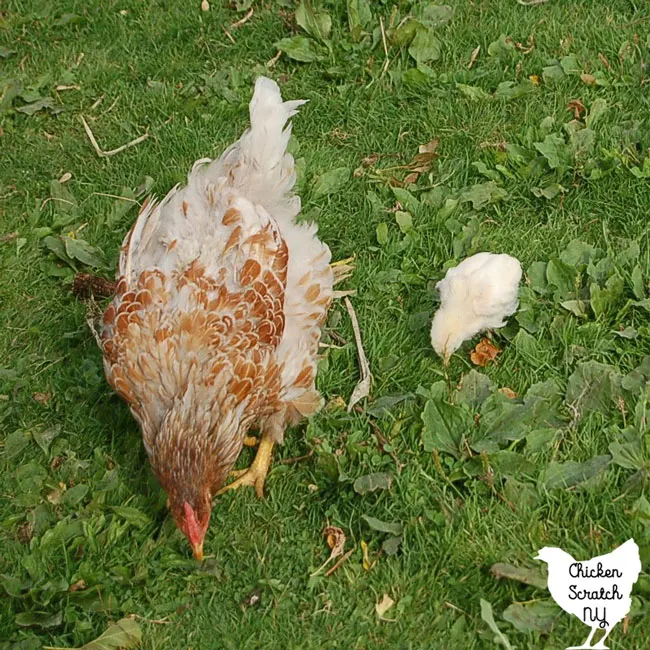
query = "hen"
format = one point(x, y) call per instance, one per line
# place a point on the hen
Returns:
point(597, 591)
point(478, 294)
point(217, 315)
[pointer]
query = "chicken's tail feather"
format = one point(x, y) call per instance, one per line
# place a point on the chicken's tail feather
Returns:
point(258, 165)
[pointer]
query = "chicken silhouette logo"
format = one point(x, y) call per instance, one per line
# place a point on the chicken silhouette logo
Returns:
point(597, 591)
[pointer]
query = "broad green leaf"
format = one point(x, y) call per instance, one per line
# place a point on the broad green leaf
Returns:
point(382, 233)
point(15, 443)
point(75, 495)
point(406, 199)
point(404, 33)
point(82, 251)
point(121, 206)
point(570, 65)
point(627, 333)
point(549, 192)
point(503, 46)
point(444, 427)
point(578, 253)
point(537, 276)
point(596, 112)
point(488, 616)
point(536, 616)
point(606, 299)
point(475, 93)
point(44, 437)
point(372, 482)
point(8, 93)
point(510, 90)
point(527, 345)
point(30, 477)
point(533, 577)
point(134, 516)
point(512, 463)
point(385, 403)
point(6, 52)
point(576, 307)
point(435, 16)
point(391, 545)
point(483, 194)
point(301, 48)
point(552, 73)
point(629, 254)
point(561, 276)
point(582, 143)
point(570, 473)
point(331, 182)
point(39, 105)
point(404, 221)
point(628, 454)
point(39, 619)
point(123, 635)
point(521, 495)
point(359, 17)
point(383, 526)
point(638, 285)
point(475, 388)
point(592, 387)
point(316, 22)
point(66, 208)
point(554, 149)
point(425, 46)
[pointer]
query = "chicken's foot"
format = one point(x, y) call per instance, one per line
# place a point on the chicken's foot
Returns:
point(255, 475)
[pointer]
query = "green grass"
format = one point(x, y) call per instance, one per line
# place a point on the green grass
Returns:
point(149, 62)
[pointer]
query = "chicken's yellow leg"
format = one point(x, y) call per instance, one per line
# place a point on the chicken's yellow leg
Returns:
point(255, 475)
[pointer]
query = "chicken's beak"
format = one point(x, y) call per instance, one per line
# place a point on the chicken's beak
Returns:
point(197, 549)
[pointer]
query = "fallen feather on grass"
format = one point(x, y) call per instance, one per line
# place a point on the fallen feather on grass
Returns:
point(362, 389)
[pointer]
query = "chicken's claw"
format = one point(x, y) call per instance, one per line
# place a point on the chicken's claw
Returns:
point(255, 475)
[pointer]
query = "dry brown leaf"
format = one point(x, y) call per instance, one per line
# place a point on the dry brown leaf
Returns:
point(589, 79)
point(529, 47)
point(534, 79)
point(577, 107)
point(429, 147)
point(472, 59)
point(484, 352)
point(508, 392)
point(42, 398)
point(362, 389)
point(335, 540)
point(367, 564)
point(65, 178)
point(411, 179)
point(383, 606)
point(25, 532)
point(604, 61)
point(80, 585)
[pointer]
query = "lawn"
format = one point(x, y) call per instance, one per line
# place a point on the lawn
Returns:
point(484, 126)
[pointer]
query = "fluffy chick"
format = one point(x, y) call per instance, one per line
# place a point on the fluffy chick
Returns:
point(477, 295)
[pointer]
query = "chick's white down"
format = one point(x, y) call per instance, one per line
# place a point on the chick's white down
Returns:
point(477, 295)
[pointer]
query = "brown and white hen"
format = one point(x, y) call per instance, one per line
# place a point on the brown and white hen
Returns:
point(217, 316)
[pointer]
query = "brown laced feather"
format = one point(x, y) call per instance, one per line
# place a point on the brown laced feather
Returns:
point(223, 342)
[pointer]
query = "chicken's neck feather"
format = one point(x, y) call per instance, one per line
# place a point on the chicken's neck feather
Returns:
point(198, 442)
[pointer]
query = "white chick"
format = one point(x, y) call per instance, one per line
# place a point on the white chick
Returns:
point(477, 295)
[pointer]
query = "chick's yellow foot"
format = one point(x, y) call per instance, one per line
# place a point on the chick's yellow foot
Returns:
point(255, 475)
